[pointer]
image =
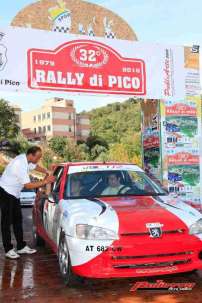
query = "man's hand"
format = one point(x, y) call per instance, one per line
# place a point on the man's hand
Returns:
point(49, 179)
point(42, 170)
point(37, 184)
point(33, 185)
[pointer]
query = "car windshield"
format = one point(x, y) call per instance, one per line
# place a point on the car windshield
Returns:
point(110, 183)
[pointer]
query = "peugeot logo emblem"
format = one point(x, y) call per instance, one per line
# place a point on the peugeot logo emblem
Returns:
point(155, 229)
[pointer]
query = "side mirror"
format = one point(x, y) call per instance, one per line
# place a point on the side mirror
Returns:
point(53, 198)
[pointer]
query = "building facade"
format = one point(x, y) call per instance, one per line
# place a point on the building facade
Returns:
point(57, 117)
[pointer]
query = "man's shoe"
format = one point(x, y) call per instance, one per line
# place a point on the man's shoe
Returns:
point(11, 254)
point(26, 250)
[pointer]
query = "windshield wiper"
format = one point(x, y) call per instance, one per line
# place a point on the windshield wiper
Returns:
point(161, 201)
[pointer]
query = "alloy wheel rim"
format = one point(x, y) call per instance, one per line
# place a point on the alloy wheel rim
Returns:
point(63, 257)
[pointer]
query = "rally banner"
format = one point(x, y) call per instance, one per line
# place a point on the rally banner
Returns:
point(36, 60)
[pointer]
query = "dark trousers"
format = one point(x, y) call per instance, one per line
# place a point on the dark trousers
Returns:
point(11, 214)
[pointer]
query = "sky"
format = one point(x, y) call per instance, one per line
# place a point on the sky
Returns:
point(163, 21)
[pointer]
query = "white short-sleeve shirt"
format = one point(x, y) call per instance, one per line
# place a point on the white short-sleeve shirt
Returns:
point(16, 175)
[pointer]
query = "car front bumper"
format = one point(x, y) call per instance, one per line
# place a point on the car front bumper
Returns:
point(138, 260)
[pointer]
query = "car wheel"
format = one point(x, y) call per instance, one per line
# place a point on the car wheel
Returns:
point(38, 241)
point(68, 276)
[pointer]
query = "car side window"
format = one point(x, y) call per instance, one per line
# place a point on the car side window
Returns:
point(58, 176)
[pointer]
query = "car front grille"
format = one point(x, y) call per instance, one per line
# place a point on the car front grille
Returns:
point(152, 264)
point(152, 256)
point(141, 252)
point(157, 260)
point(164, 232)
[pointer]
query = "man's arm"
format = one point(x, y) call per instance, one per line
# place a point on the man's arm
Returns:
point(42, 170)
point(34, 185)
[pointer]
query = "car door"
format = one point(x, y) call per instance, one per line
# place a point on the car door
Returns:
point(57, 210)
point(52, 206)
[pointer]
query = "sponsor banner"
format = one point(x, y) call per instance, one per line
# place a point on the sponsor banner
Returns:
point(181, 123)
point(192, 74)
point(151, 137)
point(182, 158)
point(40, 60)
point(192, 82)
point(180, 109)
point(184, 180)
point(150, 142)
point(181, 137)
point(171, 136)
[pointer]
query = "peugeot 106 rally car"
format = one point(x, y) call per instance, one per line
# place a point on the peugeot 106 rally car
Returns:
point(107, 220)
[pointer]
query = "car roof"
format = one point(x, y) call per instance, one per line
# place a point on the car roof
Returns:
point(93, 166)
point(94, 163)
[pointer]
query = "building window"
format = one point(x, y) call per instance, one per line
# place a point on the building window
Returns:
point(48, 128)
point(43, 116)
point(70, 129)
point(39, 117)
point(48, 115)
point(39, 129)
point(70, 116)
point(34, 118)
point(44, 129)
point(35, 130)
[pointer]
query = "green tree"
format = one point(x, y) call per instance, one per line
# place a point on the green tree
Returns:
point(95, 146)
point(67, 149)
point(48, 157)
point(116, 121)
point(118, 124)
point(9, 128)
point(96, 151)
point(19, 145)
point(59, 145)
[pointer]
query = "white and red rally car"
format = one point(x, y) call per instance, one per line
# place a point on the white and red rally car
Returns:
point(107, 220)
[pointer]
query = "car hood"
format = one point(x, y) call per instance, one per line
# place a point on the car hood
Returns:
point(135, 212)
point(128, 214)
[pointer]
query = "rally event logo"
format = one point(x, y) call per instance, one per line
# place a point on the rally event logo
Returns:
point(98, 57)
point(86, 66)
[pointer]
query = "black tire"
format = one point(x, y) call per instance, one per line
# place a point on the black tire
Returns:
point(64, 261)
point(38, 241)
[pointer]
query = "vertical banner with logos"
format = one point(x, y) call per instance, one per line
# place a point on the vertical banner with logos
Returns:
point(181, 133)
point(180, 136)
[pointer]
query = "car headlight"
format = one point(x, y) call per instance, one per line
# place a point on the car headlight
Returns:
point(196, 228)
point(89, 232)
